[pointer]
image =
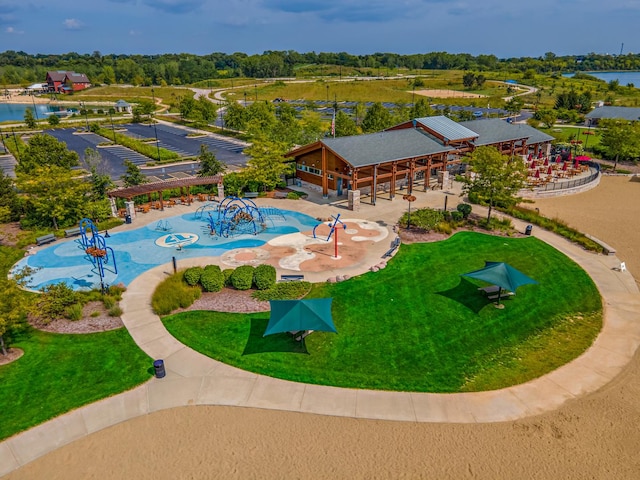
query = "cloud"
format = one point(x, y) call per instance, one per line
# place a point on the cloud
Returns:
point(175, 6)
point(13, 31)
point(72, 24)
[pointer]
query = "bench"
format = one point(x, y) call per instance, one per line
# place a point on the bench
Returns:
point(280, 194)
point(72, 232)
point(251, 194)
point(291, 278)
point(395, 244)
point(502, 295)
point(48, 238)
point(305, 333)
point(606, 249)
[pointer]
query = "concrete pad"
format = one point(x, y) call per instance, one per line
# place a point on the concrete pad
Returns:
point(8, 461)
point(450, 408)
point(116, 409)
point(578, 377)
point(189, 363)
point(323, 400)
point(276, 394)
point(223, 390)
point(173, 392)
point(385, 405)
point(48, 436)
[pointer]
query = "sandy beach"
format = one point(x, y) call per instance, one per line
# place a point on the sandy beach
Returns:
point(595, 436)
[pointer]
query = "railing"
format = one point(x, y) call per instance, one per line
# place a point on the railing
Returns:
point(552, 186)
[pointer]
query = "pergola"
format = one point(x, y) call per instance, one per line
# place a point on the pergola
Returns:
point(184, 184)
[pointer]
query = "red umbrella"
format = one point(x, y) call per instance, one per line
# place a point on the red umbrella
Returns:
point(532, 165)
point(549, 170)
point(546, 162)
point(564, 166)
point(583, 158)
point(537, 174)
point(530, 157)
point(576, 164)
point(540, 154)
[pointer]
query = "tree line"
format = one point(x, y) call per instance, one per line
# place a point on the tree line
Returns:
point(180, 69)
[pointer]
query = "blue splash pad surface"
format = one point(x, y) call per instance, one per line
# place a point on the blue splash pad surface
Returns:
point(136, 250)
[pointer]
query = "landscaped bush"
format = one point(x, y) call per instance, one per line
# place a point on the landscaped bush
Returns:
point(174, 293)
point(212, 279)
point(464, 209)
point(227, 272)
point(425, 218)
point(192, 275)
point(264, 277)
point(55, 300)
point(115, 311)
point(284, 291)
point(242, 277)
point(457, 216)
point(108, 301)
point(73, 312)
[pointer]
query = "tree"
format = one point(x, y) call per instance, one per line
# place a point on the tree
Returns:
point(548, 116)
point(209, 164)
point(376, 119)
point(468, 80)
point(54, 196)
point(266, 163)
point(133, 175)
point(100, 181)
point(9, 200)
point(45, 150)
point(620, 138)
point(345, 126)
point(236, 116)
point(496, 178)
point(53, 120)
point(514, 105)
point(421, 109)
point(29, 119)
point(12, 311)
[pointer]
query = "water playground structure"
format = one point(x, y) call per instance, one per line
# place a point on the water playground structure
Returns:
point(333, 226)
point(237, 216)
point(97, 252)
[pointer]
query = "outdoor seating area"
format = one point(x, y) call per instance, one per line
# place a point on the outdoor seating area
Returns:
point(545, 169)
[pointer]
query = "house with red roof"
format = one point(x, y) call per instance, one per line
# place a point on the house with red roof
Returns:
point(62, 81)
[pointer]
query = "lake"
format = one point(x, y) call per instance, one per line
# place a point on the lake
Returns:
point(14, 112)
point(624, 78)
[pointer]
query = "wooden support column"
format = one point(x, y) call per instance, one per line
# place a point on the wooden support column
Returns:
point(354, 179)
point(325, 178)
point(427, 175)
point(412, 172)
point(374, 185)
point(394, 172)
point(161, 200)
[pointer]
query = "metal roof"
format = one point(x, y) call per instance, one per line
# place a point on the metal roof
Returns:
point(621, 113)
point(446, 127)
point(494, 130)
point(382, 147)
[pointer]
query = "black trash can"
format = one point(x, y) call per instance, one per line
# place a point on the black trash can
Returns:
point(127, 218)
point(158, 366)
point(527, 231)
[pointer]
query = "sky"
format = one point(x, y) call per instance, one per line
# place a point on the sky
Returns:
point(505, 28)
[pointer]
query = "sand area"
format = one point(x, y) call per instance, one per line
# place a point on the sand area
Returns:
point(440, 93)
point(595, 436)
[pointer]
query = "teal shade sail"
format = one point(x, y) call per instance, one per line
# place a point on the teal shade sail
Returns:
point(502, 275)
point(296, 315)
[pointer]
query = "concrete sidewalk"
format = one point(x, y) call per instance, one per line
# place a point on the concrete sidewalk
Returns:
point(193, 379)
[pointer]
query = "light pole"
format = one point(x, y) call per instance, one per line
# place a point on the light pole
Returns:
point(256, 88)
point(112, 127)
point(410, 199)
point(86, 116)
point(327, 94)
point(155, 129)
point(245, 99)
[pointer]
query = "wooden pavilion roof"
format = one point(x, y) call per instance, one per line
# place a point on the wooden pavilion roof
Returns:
point(145, 188)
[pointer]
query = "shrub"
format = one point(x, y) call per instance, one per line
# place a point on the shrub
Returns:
point(174, 293)
point(227, 272)
point(444, 227)
point(54, 301)
point(95, 314)
point(464, 209)
point(425, 218)
point(73, 312)
point(192, 275)
point(457, 216)
point(108, 301)
point(264, 277)
point(116, 291)
point(212, 279)
point(284, 291)
point(242, 277)
point(115, 311)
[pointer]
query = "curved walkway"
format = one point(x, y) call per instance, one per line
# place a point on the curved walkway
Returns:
point(194, 379)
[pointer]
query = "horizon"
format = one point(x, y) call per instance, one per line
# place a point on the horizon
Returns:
point(359, 27)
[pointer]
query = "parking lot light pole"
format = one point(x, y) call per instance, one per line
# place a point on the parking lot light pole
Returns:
point(155, 129)
point(112, 127)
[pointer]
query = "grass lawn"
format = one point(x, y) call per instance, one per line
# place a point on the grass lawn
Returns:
point(418, 326)
point(59, 373)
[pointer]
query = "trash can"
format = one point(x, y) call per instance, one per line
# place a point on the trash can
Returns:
point(127, 218)
point(158, 366)
point(527, 231)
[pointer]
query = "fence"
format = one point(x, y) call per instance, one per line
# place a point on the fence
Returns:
point(552, 186)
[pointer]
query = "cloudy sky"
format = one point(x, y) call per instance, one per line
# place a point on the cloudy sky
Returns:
point(506, 28)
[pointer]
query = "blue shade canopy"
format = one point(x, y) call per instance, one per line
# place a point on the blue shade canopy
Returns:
point(502, 275)
point(296, 315)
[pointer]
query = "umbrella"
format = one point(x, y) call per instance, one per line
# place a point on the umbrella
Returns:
point(576, 164)
point(564, 166)
point(532, 165)
point(546, 162)
point(549, 170)
point(501, 274)
point(540, 154)
point(530, 157)
point(537, 174)
point(297, 315)
point(583, 158)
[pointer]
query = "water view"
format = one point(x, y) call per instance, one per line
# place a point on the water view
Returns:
point(14, 112)
point(624, 78)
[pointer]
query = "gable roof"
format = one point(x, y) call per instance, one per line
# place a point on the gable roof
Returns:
point(74, 77)
point(494, 130)
point(57, 75)
point(382, 147)
point(446, 128)
point(621, 113)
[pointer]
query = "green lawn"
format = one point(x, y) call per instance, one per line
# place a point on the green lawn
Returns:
point(58, 373)
point(418, 326)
